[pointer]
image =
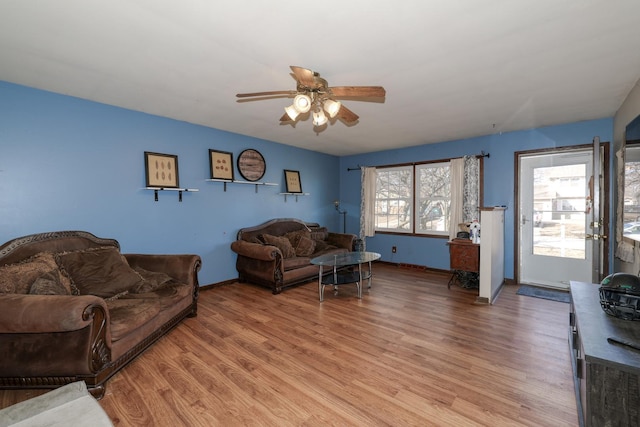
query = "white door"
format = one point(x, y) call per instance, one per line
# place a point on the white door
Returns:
point(554, 213)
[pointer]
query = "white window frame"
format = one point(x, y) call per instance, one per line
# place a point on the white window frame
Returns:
point(392, 204)
point(388, 200)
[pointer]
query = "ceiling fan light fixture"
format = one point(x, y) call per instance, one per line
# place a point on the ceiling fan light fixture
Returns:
point(331, 107)
point(319, 118)
point(302, 103)
point(292, 112)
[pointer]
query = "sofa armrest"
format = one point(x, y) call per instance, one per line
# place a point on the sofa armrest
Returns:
point(183, 268)
point(48, 313)
point(342, 240)
point(256, 250)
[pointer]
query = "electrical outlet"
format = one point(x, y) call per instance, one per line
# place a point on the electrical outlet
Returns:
point(394, 249)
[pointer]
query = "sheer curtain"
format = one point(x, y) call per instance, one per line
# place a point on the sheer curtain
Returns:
point(457, 192)
point(471, 187)
point(367, 203)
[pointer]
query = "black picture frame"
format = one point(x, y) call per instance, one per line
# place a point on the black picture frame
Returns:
point(161, 170)
point(251, 165)
point(221, 165)
point(292, 181)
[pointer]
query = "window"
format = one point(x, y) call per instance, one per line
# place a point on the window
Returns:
point(631, 189)
point(400, 209)
point(394, 196)
point(433, 198)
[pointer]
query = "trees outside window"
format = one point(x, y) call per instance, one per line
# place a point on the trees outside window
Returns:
point(414, 199)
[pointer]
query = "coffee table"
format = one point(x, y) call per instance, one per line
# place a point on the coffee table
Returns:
point(342, 276)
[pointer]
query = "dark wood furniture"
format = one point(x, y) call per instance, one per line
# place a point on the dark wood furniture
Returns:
point(463, 256)
point(606, 374)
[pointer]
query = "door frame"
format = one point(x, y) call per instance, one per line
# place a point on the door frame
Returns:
point(604, 201)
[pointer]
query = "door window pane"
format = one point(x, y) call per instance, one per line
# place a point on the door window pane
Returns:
point(559, 211)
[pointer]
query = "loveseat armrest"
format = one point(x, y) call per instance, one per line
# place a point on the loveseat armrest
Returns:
point(342, 240)
point(182, 267)
point(256, 250)
point(48, 313)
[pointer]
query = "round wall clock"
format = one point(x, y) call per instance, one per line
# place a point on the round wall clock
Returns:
point(251, 165)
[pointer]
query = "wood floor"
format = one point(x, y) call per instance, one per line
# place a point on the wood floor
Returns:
point(410, 353)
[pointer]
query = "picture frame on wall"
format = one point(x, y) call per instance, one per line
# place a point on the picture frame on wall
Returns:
point(221, 164)
point(251, 165)
point(161, 170)
point(292, 181)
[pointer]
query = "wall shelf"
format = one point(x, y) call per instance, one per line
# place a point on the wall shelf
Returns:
point(226, 181)
point(293, 194)
point(179, 190)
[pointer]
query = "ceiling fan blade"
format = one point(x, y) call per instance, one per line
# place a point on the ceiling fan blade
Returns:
point(357, 91)
point(274, 92)
point(347, 115)
point(304, 76)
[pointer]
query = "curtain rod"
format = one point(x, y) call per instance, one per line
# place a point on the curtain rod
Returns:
point(482, 154)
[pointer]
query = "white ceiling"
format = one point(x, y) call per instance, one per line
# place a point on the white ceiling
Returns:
point(452, 68)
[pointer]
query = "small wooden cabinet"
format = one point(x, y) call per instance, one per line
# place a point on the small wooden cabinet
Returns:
point(464, 255)
point(606, 375)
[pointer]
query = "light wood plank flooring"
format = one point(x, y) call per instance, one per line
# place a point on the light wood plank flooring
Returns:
point(411, 352)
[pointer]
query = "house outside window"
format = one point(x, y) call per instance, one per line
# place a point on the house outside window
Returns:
point(413, 199)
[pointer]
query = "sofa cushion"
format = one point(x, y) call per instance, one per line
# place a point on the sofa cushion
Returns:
point(305, 247)
point(301, 241)
point(168, 295)
point(281, 243)
point(102, 272)
point(49, 284)
point(322, 246)
point(295, 262)
point(152, 281)
point(128, 314)
point(295, 235)
point(320, 233)
point(19, 277)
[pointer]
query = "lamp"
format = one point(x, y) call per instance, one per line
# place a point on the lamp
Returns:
point(343, 213)
point(331, 107)
point(301, 104)
point(319, 118)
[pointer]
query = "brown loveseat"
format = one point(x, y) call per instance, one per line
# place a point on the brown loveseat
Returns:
point(73, 308)
point(278, 252)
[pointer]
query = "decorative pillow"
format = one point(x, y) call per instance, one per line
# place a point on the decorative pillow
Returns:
point(294, 236)
point(102, 272)
point(152, 281)
point(320, 233)
point(49, 284)
point(17, 278)
point(305, 246)
point(281, 243)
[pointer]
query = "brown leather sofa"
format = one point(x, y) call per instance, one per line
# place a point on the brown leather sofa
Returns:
point(73, 308)
point(278, 253)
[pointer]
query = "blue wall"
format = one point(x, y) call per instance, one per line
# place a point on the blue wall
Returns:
point(70, 164)
point(499, 170)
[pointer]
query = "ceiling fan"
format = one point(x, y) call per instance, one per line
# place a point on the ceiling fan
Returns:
point(313, 94)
